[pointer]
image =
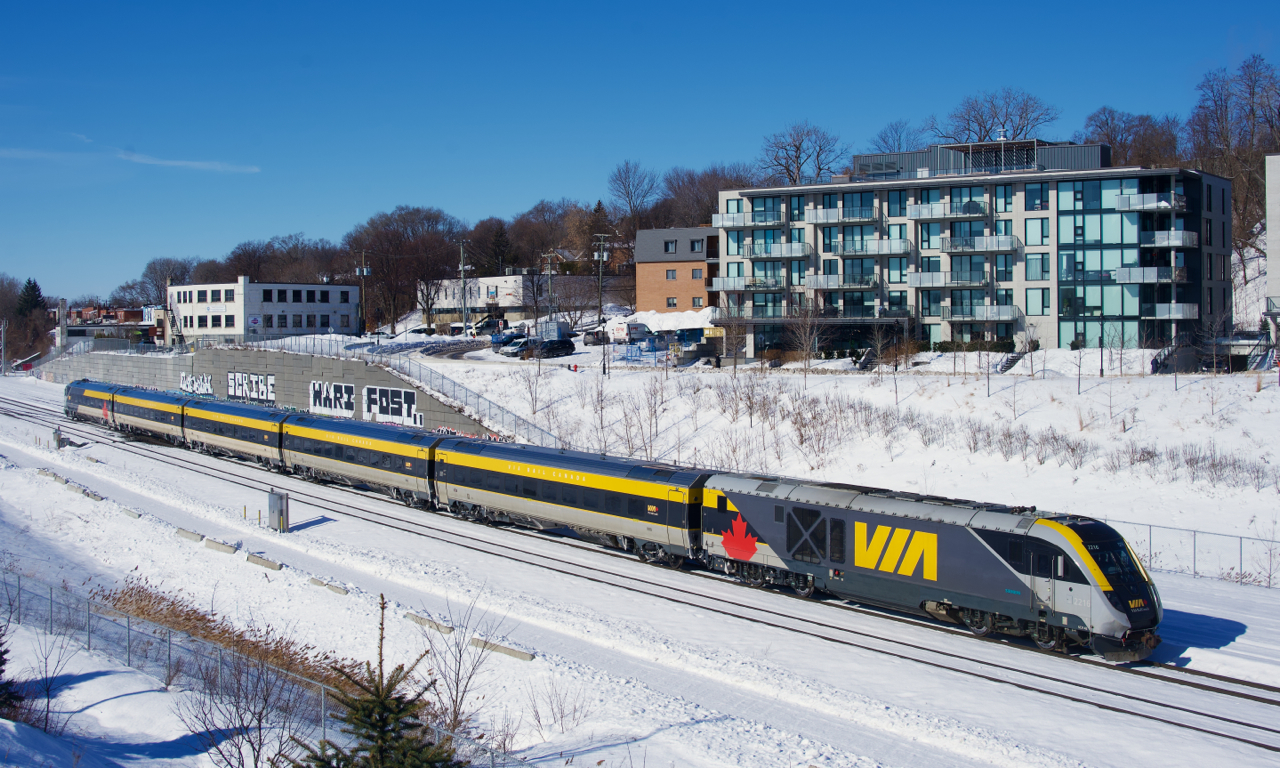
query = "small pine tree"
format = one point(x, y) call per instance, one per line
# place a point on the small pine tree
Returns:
point(31, 298)
point(9, 696)
point(384, 721)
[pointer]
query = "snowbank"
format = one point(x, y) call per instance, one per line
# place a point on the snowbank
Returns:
point(666, 321)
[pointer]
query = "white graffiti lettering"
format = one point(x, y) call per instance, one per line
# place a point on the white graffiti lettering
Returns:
point(396, 406)
point(333, 399)
point(251, 386)
point(196, 384)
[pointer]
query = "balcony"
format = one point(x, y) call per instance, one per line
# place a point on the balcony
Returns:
point(1155, 203)
point(1273, 305)
point(759, 218)
point(728, 220)
point(1151, 275)
point(1170, 311)
point(982, 243)
point(956, 210)
point(747, 284)
point(982, 313)
point(836, 282)
point(948, 279)
point(777, 250)
point(834, 215)
point(871, 247)
point(1172, 239)
point(859, 312)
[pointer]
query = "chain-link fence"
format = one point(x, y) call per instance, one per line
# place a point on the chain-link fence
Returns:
point(231, 687)
point(1242, 559)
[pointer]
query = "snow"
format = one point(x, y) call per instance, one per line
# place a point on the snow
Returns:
point(666, 321)
point(682, 684)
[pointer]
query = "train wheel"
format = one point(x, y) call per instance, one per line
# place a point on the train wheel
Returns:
point(674, 562)
point(1049, 640)
point(806, 589)
point(979, 623)
point(753, 575)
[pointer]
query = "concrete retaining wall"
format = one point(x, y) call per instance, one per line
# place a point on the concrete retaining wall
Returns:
point(344, 382)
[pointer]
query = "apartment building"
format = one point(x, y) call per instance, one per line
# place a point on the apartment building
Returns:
point(1006, 240)
point(244, 308)
point(674, 267)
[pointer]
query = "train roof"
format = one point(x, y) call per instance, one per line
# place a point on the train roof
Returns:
point(882, 501)
point(90, 383)
point(243, 410)
point(580, 461)
point(393, 433)
point(153, 396)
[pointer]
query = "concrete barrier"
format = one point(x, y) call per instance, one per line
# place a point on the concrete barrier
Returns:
point(331, 587)
point(262, 561)
point(130, 512)
point(192, 535)
point(218, 546)
point(443, 629)
point(91, 494)
point(512, 652)
point(93, 460)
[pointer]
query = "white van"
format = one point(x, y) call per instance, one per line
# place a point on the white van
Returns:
point(629, 332)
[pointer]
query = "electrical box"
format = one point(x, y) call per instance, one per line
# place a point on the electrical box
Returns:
point(278, 510)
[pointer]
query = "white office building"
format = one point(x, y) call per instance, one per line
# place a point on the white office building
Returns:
point(244, 308)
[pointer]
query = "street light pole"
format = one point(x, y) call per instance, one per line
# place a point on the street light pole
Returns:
point(462, 276)
point(604, 348)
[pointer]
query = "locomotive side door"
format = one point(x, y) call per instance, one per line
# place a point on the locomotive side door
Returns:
point(1043, 568)
point(677, 519)
point(442, 479)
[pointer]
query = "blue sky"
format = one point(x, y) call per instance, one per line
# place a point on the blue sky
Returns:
point(129, 132)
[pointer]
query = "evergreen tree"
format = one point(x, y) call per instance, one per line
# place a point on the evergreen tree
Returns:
point(9, 696)
point(385, 718)
point(30, 299)
point(501, 248)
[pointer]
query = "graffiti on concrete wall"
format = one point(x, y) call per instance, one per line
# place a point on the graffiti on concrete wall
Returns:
point(251, 386)
point(196, 384)
point(395, 406)
point(329, 399)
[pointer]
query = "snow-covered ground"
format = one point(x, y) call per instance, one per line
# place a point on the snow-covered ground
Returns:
point(676, 685)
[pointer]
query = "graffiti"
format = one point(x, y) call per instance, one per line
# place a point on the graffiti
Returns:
point(196, 384)
point(251, 386)
point(395, 406)
point(443, 430)
point(333, 399)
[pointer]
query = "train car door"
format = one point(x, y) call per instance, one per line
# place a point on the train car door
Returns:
point(677, 518)
point(1043, 568)
point(423, 484)
point(1069, 596)
point(442, 478)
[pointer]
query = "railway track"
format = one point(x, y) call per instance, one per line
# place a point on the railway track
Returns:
point(1237, 710)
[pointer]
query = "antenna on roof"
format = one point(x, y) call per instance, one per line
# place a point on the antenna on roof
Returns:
point(1000, 136)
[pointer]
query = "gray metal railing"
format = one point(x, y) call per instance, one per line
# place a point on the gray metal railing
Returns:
point(1242, 559)
point(170, 655)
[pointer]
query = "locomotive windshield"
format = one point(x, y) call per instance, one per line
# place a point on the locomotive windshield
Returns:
point(1114, 560)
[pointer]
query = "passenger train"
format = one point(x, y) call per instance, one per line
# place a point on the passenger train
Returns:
point(1060, 580)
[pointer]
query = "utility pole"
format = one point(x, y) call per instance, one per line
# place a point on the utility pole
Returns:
point(4, 347)
point(600, 259)
point(363, 271)
point(462, 276)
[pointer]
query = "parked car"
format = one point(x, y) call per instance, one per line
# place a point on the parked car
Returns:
point(550, 348)
point(516, 348)
point(487, 328)
point(595, 338)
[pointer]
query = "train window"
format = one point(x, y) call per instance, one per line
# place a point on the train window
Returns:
point(477, 478)
point(807, 517)
point(1015, 552)
point(793, 533)
point(777, 513)
point(569, 495)
point(511, 485)
point(364, 456)
point(612, 503)
point(386, 461)
point(837, 541)
point(530, 488)
point(635, 508)
point(549, 491)
point(1043, 564)
point(722, 504)
point(351, 454)
point(590, 498)
point(493, 482)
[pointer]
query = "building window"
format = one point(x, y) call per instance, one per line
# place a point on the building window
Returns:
point(897, 269)
point(1208, 198)
point(344, 321)
point(344, 297)
point(697, 274)
point(202, 321)
point(297, 297)
point(671, 274)
point(215, 296)
point(231, 321)
point(268, 296)
point(1038, 266)
point(1004, 297)
point(324, 297)
point(695, 246)
point(311, 297)
point(931, 303)
point(931, 235)
point(733, 246)
point(1036, 197)
point(282, 296)
point(1037, 231)
point(896, 202)
point(668, 246)
point(202, 297)
point(297, 321)
point(697, 302)
point(1004, 198)
point(734, 269)
point(1037, 301)
point(324, 321)
point(671, 302)
point(311, 321)
point(268, 321)
point(229, 296)
point(1004, 267)
point(797, 207)
point(215, 321)
point(1208, 232)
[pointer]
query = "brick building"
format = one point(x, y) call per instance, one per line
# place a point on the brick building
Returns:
point(674, 267)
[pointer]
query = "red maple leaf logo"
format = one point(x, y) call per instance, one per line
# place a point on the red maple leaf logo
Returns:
point(739, 544)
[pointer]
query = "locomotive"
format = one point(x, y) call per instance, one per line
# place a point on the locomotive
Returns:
point(1061, 580)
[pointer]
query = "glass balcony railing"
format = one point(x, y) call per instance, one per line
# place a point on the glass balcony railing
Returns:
point(987, 243)
point(982, 313)
point(871, 247)
point(1170, 239)
point(1170, 311)
point(747, 284)
point(927, 211)
point(764, 217)
point(967, 208)
point(866, 213)
point(951, 210)
point(1273, 304)
point(1151, 275)
point(835, 282)
point(777, 250)
point(822, 215)
point(1161, 201)
point(946, 279)
point(727, 220)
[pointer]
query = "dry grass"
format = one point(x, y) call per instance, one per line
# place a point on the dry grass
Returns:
point(141, 599)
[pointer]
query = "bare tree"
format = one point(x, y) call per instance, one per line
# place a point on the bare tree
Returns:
point(576, 298)
point(801, 149)
point(459, 660)
point(899, 136)
point(1134, 139)
point(804, 335)
point(735, 333)
point(980, 117)
point(1030, 343)
point(633, 189)
point(689, 197)
point(52, 652)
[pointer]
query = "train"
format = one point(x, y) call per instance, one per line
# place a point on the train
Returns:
point(1064, 581)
